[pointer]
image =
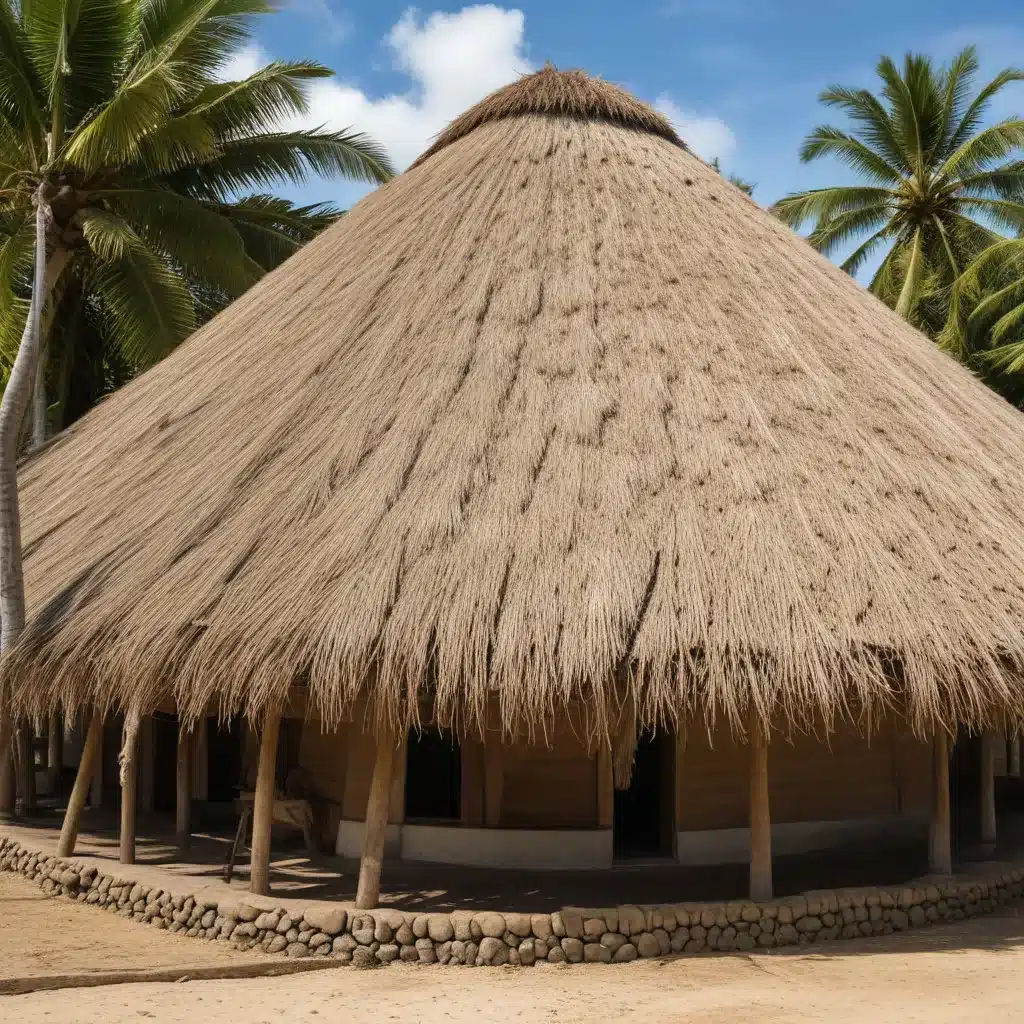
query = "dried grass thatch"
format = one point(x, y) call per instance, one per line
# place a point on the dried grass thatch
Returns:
point(557, 408)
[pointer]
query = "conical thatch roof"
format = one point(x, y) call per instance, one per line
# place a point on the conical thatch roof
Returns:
point(557, 407)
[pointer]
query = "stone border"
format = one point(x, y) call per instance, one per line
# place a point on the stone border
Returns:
point(574, 935)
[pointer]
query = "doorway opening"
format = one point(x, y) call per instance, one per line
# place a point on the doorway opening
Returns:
point(165, 757)
point(643, 821)
point(433, 776)
point(224, 760)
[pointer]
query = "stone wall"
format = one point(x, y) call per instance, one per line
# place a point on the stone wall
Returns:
point(618, 934)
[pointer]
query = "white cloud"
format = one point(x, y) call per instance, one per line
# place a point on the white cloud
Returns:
point(453, 60)
point(708, 137)
point(242, 64)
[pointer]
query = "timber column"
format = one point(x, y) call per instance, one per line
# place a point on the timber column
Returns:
point(940, 852)
point(760, 812)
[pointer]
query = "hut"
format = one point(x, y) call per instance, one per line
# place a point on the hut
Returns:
point(561, 504)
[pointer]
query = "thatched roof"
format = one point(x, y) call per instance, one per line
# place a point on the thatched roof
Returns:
point(557, 407)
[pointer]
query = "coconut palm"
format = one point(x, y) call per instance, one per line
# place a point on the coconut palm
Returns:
point(936, 186)
point(123, 160)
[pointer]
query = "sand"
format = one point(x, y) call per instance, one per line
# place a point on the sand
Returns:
point(968, 972)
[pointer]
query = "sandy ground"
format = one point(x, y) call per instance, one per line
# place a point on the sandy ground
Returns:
point(963, 973)
point(40, 936)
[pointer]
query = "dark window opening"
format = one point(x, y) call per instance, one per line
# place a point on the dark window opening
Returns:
point(643, 813)
point(224, 760)
point(433, 775)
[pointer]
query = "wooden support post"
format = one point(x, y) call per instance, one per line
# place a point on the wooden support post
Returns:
point(988, 788)
point(129, 798)
point(494, 778)
point(368, 893)
point(1013, 758)
point(91, 749)
point(760, 812)
point(200, 779)
point(263, 805)
point(605, 788)
point(183, 789)
point(396, 803)
point(940, 852)
point(624, 744)
point(54, 751)
point(26, 769)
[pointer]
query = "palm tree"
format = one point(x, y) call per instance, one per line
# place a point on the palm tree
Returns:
point(985, 327)
point(936, 186)
point(123, 166)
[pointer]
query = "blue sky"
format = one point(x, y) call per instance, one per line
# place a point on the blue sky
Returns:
point(740, 77)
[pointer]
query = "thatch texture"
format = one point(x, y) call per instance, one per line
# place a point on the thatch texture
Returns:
point(559, 406)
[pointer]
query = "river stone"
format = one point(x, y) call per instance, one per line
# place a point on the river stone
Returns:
point(593, 927)
point(382, 931)
point(344, 944)
point(556, 955)
point(363, 956)
point(425, 950)
point(492, 925)
point(494, 950)
point(319, 939)
point(305, 935)
point(470, 954)
point(917, 917)
point(808, 925)
point(276, 944)
point(443, 950)
point(680, 937)
point(613, 941)
point(267, 921)
point(625, 953)
point(292, 935)
point(573, 949)
point(595, 953)
point(329, 920)
point(527, 952)
point(440, 928)
point(285, 924)
point(631, 920)
point(246, 912)
point(69, 879)
point(362, 929)
point(387, 952)
point(786, 934)
point(899, 920)
point(540, 925)
point(408, 954)
point(746, 942)
point(518, 924)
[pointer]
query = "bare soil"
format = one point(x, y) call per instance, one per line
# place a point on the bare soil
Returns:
point(963, 973)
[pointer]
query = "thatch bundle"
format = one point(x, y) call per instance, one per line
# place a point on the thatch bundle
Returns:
point(556, 414)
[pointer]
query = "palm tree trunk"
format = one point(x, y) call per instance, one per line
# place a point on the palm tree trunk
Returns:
point(912, 281)
point(39, 404)
point(12, 413)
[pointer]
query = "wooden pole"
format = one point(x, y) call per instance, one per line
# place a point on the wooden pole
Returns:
point(368, 893)
point(129, 775)
point(183, 789)
point(940, 853)
point(760, 812)
point(26, 769)
point(83, 780)
point(1013, 767)
point(988, 788)
point(54, 751)
point(263, 805)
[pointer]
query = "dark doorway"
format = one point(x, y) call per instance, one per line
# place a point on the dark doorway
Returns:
point(165, 759)
point(643, 818)
point(433, 776)
point(965, 794)
point(224, 760)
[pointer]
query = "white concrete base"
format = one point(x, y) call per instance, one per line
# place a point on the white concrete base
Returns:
point(732, 845)
point(487, 847)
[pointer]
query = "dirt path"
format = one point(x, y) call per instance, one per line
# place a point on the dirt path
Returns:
point(964, 973)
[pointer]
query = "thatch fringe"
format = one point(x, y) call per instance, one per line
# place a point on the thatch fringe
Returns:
point(559, 418)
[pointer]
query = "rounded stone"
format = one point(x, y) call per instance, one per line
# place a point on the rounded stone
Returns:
point(363, 956)
point(664, 942)
point(647, 945)
point(440, 928)
point(343, 944)
point(540, 926)
point(573, 949)
point(493, 951)
point(556, 955)
point(404, 935)
point(917, 916)
point(409, 954)
point(382, 931)
point(613, 940)
point(625, 953)
point(595, 953)
point(276, 944)
point(492, 925)
point(420, 926)
point(527, 952)
point(425, 950)
point(518, 924)
point(319, 939)
point(296, 949)
point(387, 952)
point(329, 920)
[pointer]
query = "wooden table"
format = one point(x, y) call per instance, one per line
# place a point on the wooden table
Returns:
point(298, 813)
